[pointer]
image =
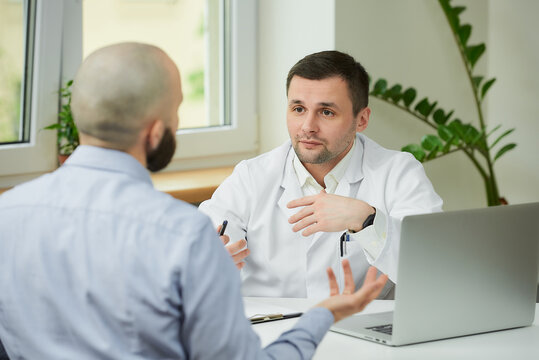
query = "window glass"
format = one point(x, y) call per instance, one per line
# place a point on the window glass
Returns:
point(14, 100)
point(190, 31)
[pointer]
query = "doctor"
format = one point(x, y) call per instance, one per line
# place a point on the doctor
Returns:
point(327, 194)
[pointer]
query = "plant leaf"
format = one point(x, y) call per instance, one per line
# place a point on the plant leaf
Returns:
point(394, 93)
point(448, 144)
point(431, 142)
point(431, 155)
point(473, 53)
point(458, 9)
point(487, 86)
point(464, 33)
point(452, 13)
point(415, 150)
point(493, 130)
point(409, 96)
point(501, 137)
point(380, 87)
point(52, 126)
point(457, 127)
point(447, 135)
point(424, 108)
point(505, 149)
point(477, 81)
point(440, 117)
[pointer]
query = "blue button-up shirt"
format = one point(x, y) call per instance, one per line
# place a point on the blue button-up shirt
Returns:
point(97, 264)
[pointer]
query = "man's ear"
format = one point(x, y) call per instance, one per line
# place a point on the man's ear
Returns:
point(363, 119)
point(155, 131)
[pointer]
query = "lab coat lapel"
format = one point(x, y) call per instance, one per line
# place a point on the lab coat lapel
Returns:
point(290, 187)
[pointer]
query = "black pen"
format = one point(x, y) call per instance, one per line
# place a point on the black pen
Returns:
point(223, 228)
point(273, 317)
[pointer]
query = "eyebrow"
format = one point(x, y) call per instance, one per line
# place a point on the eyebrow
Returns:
point(323, 104)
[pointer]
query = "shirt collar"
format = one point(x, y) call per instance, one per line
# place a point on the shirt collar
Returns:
point(108, 160)
point(334, 176)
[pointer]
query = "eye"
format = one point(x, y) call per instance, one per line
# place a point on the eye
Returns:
point(298, 109)
point(327, 112)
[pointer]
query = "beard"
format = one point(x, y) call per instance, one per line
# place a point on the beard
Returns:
point(322, 156)
point(160, 157)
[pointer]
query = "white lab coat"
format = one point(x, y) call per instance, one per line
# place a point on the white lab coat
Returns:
point(283, 263)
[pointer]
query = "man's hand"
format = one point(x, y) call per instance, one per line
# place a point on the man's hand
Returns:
point(350, 302)
point(328, 212)
point(235, 249)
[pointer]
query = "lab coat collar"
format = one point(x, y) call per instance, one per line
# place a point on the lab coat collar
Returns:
point(354, 172)
point(289, 184)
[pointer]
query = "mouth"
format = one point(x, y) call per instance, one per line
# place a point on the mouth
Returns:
point(310, 142)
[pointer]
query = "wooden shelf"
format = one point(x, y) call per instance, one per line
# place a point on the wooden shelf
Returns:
point(192, 186)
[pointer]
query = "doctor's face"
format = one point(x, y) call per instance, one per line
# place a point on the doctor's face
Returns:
point(320, 120)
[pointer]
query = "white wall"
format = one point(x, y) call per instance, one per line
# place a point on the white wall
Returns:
point(514, 101)
point(410, 42)
point(288, 30)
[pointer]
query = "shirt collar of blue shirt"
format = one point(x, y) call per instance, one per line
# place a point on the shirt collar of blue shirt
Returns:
point(108, 160)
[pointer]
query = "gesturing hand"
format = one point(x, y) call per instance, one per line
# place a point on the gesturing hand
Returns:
point(349, 301)
point(235, 249)
point(328, 212)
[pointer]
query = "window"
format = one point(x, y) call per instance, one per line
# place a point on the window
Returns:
point(212, 42)
point(215, 55)
point(31, 44)
point(16, 30)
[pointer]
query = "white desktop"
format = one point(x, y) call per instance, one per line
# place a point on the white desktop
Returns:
point(520, 343)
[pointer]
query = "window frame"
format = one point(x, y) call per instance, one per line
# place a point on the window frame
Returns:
point(21, 161)
point(58, 53)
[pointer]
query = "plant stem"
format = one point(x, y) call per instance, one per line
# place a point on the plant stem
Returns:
point(403, 108)
point(493, 197)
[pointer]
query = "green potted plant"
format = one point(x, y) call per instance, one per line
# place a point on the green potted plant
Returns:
point(478, 143)
point(67, 133)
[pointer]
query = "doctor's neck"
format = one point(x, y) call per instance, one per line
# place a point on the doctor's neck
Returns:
point(321, 169)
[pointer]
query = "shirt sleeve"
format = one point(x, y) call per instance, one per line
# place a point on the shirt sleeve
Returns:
point(373, 238)
point(213, 323)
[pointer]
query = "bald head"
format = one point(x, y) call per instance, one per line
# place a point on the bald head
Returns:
point(120, 89)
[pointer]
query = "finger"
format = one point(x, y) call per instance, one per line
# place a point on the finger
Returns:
point(304, 201)
point(349, 286)
point(333, 286)
point(240, 265)
point(306, 211)
point(241, 255)
point(219, 228)
point(305, 222)
point(225, 239)
point(312, 229)
point(369, 292)
point(236, 246)
point(371, 275)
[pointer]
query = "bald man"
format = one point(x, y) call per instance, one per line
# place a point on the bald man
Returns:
point(97, 264)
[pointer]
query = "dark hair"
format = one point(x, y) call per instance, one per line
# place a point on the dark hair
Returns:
point(326, 64)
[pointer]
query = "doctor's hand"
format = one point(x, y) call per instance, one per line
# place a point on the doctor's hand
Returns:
point(329, 213)
point(235, 249)
point(349, 301)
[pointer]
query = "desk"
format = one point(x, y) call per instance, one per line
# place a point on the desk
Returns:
point(521, 343)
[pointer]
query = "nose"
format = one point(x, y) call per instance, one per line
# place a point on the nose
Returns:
point(310, 123)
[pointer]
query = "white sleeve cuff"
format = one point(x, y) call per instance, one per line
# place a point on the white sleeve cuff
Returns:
point(373, 238)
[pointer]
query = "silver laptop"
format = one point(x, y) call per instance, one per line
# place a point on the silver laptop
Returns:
point(459, 273)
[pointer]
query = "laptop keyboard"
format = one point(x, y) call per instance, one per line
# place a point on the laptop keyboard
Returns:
point(386, 329)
